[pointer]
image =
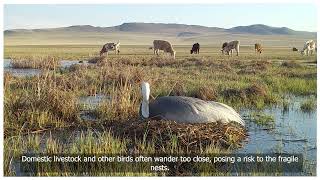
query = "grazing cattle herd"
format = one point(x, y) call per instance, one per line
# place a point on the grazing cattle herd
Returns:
point(227, 48)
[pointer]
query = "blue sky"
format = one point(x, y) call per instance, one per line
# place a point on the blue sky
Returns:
point(295, 16)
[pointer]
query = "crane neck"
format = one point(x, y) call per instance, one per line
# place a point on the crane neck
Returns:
point(145, 108)
point(145, 90)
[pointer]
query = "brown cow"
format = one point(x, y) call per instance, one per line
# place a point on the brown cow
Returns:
point(258, 48)
point(163, 45)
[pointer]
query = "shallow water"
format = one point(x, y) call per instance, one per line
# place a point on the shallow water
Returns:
point(26, 72)
point(19, 72)
point(294, 132)
point(89, 104)
point(68, 63)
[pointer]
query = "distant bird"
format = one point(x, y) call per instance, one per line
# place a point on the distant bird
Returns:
point(186, 109)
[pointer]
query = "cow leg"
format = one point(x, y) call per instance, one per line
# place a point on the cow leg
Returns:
point(103, 50)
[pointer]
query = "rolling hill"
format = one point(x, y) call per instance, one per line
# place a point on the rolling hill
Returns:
point(144, 33)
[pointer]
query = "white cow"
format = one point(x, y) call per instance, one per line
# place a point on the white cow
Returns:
point(163, 45)
point(230, 46)
point(110, 47)
point(308, 47)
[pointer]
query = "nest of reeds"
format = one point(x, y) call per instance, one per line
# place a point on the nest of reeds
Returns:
point(190, 137)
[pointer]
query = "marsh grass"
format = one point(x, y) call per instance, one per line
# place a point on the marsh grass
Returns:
point(120, 77)
point(308, 105)
point(35, 62)
point(263, 119)
point(97, 59)
point(96, 142)
point(49, 101)
point(123, 105)
point(291, 64)
point(39, 105)
point(285, 104)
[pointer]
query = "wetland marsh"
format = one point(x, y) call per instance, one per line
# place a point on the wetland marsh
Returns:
point(64, 106)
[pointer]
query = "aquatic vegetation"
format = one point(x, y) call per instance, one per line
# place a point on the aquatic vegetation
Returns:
point(37, 104)
point(308, 105)
point(35, 62)
point(262, 119)
point(285, 104)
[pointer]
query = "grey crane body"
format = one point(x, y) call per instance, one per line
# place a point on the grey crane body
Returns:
point(185, 109)
point(191, 110)
point(173, 108)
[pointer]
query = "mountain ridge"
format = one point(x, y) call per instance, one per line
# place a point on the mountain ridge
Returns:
point(259, 29)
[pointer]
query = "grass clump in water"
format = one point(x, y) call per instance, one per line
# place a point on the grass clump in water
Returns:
point(308, 105)
point(35, 62)
point(263, 119)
